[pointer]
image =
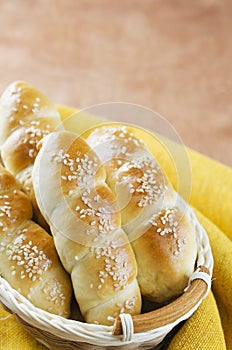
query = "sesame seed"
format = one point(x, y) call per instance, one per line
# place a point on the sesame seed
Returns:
point(130, 303)
point(82, 169)
point(110, 318)
point(96, 198)
point(53, 292)
point(32, 153)
point(26, 255)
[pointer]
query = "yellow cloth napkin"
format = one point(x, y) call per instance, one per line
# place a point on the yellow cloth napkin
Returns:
point(210, 326)
point(202, 331)
point(13, 336)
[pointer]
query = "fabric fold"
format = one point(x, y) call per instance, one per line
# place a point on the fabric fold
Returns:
point(222, 276)
point(203, 331)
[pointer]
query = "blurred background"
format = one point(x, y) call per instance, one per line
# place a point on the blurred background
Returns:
point(173, 56)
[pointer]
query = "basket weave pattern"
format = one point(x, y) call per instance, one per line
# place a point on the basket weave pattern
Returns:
point(56, 332)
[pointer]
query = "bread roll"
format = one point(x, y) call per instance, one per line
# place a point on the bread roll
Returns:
point(28, 259)
point(157, 221)
point(26, 116)
point(69, 183)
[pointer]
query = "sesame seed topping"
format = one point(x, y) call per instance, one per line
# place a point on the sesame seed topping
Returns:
point(115, 267)
point(165, 223)
point(144, 187)
point(119, 140)
point(165, 219)
point(81, 169)
point(28, 256)
point(53, 291)
point(33, 134)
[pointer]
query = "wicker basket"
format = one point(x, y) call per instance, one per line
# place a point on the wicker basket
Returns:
point(143, 331)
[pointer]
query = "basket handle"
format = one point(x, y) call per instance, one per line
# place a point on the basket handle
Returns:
point(171, 312)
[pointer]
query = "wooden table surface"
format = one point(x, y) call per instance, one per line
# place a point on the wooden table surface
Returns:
point(174, 57)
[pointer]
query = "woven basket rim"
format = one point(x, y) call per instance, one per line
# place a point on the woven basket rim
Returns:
point(76, 330)
point(91, 333)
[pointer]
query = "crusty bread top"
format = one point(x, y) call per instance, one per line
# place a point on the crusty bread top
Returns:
point(69, 183)
point(157, 221)
point(27, 116)
point(28, 259)
point(23, 105)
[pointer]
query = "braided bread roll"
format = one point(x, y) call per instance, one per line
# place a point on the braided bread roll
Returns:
point(26, 116)
point(157, 221)
point(69, 183)
point(28, 259)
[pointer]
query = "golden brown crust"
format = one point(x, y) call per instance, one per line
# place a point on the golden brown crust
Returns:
point(85, 222)
point(15, 208)
point(169, 245)
point(7, 181)
point(141, 188)
point(23, 105)
point(26, 117)
point(29, 261)
point(17, 152)
point(154, 217)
